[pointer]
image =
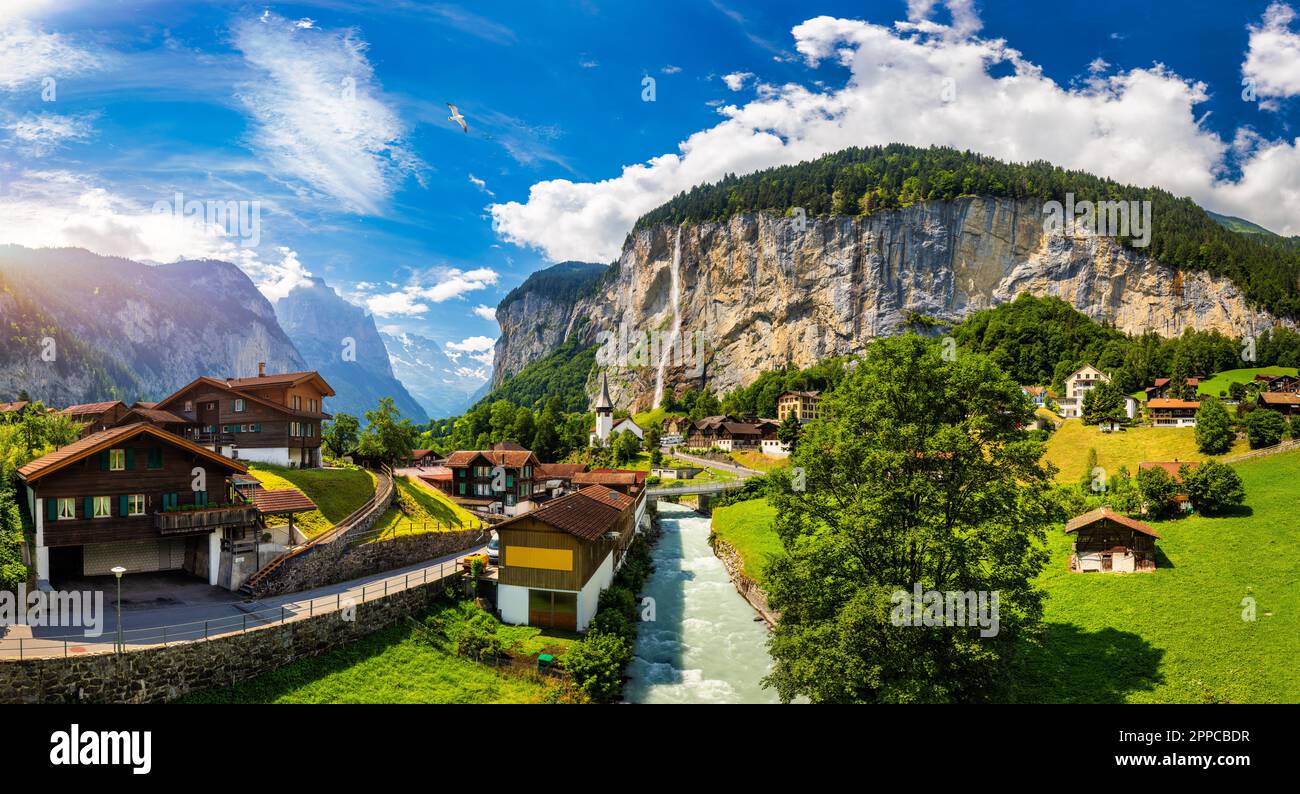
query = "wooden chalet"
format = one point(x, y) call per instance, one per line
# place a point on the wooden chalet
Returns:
point(474, 473)
point(622, 480)
point(1287, 403)
point(1168, 412)
point(130, 496)
point(439, 477)
point(95, 417)
point(271, 418)
point(556, 560)
point(15, 408)
point(423, 458)
point(557, 478)
point(1278, 383)
point(1160, 387)
point(1111, 542)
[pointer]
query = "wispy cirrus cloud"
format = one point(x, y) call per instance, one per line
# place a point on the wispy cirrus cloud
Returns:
point(38, 134)
point(319, 113)
point(28, 54)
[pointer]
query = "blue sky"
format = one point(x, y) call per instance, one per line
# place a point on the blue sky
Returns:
point(331, 114)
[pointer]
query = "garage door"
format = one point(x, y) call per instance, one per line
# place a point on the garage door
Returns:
point(166, 554)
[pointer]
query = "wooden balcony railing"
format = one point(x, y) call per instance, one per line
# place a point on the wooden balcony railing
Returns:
point(206, 518)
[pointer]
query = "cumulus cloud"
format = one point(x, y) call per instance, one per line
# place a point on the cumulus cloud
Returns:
point(319, 113)
point(1272, 62)
point(736, 80)
point(434, 286)
point(38, 134)
point(28, 54)
point(55, 208)
point(1140, 126)
point(486, 312)
point(965, 20)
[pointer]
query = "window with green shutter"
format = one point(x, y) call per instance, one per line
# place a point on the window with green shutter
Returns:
point(51, 509)
point(130, 458)
point(122, 508)
point(88, 503)
point(155, 457)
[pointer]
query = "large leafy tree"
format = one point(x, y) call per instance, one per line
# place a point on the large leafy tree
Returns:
point(1213, 427)
point(1264, 428)
point(1213, 487)
point(1103, 401)
point(341, 436)
point(387, 435)
point(1157, 489)
point(917, 474)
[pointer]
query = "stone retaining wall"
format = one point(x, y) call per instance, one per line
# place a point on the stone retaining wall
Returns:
point(162, 673)
point(332, 563)
point(752, 592)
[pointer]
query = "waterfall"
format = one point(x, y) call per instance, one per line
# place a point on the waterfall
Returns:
point(675, 297)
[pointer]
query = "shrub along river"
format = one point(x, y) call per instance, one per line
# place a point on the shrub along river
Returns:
point(704, 645)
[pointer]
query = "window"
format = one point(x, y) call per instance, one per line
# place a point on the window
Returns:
point(117, 460)
point(155, 458)
point(239, 405)
point(103, 506)
point(67, 509)
point(297, 403)
point(135, 504)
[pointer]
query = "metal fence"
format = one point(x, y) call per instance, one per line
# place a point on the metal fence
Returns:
point(199, 631)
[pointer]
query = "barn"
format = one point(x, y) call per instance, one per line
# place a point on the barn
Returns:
point(1110, 542)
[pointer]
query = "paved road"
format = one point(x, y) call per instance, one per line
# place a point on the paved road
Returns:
point(142, 625)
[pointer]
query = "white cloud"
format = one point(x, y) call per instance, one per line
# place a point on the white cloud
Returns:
point(1140, 126)
point(1273, 56)
point(736, 80)
point(319, 112)
point(486, 312)
point(28, 55)
point(479, 348)
point(434, 286)
point(670, 69)
point(480, 184)
point(589, 63)
point(965, 20)
point(57, 208)
point(38, 134)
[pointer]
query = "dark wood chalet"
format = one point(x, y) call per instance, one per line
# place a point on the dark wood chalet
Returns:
point(95, 417)
point(556, 560)
point(1278, 383)
point(267, 418)
point(477, 483)
point(139, 497)
point(1107, 542)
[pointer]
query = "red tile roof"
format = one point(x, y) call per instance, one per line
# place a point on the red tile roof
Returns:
point(559, 470)
point(280, 379)
point(587, 514)
point(288, 500)
point(1106, 514)
point(1160, 402)
point(17, 405)
point(513, 458)
point(156, 416)
point(606, 478)
point(97, 442)
point(1171, 467)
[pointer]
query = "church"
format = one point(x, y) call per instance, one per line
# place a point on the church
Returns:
point(606, 427)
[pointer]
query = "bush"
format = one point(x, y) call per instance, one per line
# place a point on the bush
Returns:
point(1157, 489)
point(618, 598)
point(597, 664)
point(612, 621)
point(1295, 426)
point(1264, 428)
point(477, 637)
point(1214, 487)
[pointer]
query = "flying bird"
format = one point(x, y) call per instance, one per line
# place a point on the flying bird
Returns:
point(457, 117)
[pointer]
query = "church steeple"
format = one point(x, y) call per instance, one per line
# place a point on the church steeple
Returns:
point(603, 403)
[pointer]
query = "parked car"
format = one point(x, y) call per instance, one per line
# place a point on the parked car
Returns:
point(494, 551)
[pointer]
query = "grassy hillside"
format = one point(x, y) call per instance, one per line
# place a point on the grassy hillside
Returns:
point(336, 492)
point(422, 508)
point(1177, 635)
point(747, 526)
point(397, 666)
point(1068, 448)
point(1222, 380)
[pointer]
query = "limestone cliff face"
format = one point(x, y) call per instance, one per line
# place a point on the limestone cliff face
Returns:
point(764, 292)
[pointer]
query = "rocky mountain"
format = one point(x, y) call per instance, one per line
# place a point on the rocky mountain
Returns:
point(538, 315)
point(766, 289)
point(340, 340)
point(79, 327)
point(442, 386)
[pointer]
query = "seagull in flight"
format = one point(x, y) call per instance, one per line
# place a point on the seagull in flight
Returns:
point(457, 117)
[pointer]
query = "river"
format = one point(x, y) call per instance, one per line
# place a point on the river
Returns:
point(704, 645)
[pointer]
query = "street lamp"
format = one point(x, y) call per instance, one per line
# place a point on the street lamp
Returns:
point(118, 571)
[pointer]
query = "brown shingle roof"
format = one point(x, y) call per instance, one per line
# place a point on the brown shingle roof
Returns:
point(1106, 514)
point(587, 514)
point(154, 415)
point(1280, 398)
point(17, 405)
point(96, 442)
point(513, 458)
point(288, 500)
point(560, 470)
point(280, 379)
point(605, 478)
point(88, 409)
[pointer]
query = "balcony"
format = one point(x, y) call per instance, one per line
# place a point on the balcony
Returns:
point(209, 518)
